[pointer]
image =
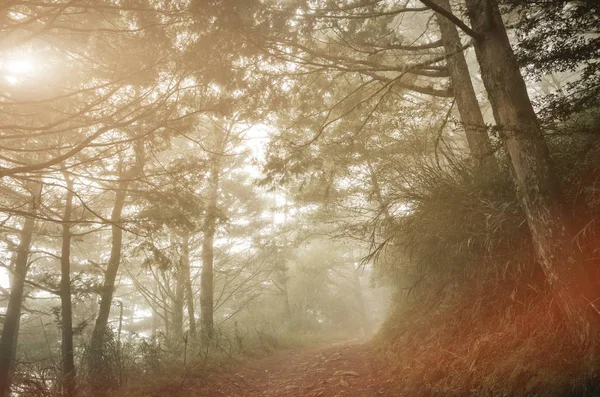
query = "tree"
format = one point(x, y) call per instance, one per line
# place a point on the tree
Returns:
point(220, 138)
point(99, 335)
point(8, 339)
point(548, 216)
point(68, 361)
point(189, 290)
point(464, 93)
point(370, 42)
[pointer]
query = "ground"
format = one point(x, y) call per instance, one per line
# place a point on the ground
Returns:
point(345, 369)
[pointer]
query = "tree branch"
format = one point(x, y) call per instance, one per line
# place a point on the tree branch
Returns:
point(451, 17)
point(59, 159)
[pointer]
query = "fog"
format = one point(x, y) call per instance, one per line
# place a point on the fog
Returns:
point(299, 198)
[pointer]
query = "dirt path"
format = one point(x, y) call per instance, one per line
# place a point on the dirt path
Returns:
point(340, 370)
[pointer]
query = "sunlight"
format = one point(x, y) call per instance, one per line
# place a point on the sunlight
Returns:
point(256, 138)
point(4, 278)
point(19, 66)
point(231, 198)
point(15, 69)
point(12, 80)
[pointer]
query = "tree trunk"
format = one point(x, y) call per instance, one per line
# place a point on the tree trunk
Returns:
point(383, 206)
point(155, 316)
point(281, 277)
point(68, 362)
point(11, 277)
point(110, 276)
point(189, 293)
point(206, 275)
point(167, 322)
point(178, 301)
point(464, 94)
point(283, 266)
point(538, 185)
point(114, 261)
point(364, 316)
point(8, 339)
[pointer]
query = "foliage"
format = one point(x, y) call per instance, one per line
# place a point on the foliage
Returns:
point(561, 36)
point(147, 113)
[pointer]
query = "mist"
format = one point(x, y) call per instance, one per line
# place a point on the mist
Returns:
point(299, 198)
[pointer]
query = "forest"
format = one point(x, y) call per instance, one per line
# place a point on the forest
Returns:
point(304, 198)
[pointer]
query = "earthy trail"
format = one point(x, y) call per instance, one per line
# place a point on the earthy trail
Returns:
point(342, 370)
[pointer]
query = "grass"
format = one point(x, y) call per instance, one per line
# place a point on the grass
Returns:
point(492, 344)
point(480, 320)
point(204, 366)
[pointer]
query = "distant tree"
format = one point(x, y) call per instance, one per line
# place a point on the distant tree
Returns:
point(67, 349)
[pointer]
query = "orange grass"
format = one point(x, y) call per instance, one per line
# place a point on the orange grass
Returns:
point(492, 341)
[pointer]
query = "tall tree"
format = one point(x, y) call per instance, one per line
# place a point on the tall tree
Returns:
point(189, 290)
point(67, 354)
point(209, 228)
point(464, 93)
point(182, 279)
point(99, 334)
point(8, 339)
point(389, 56)
point(538, 185)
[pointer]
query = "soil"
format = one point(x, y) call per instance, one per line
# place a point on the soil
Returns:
point(346, 369)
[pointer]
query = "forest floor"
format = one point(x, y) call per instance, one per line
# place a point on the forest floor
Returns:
point(344, 369)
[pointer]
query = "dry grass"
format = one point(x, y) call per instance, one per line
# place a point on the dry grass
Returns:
point(490, 341)
point(481, 321)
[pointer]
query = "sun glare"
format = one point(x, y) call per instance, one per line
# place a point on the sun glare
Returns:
point(15, 69)
point(19, 66)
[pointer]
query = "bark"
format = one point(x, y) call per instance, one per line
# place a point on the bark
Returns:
point(282, 279)
point(364, 316)
point(114, 261)
point(189, 293)
point(538, 185)
point(286, 295)
point(283, 268)
point(110, 276)
point(155, 315)
point(166, 315)
point(206, 275)
point(68, 362)
point(178, 301)
point(375, 183)
point(464, 93)
point(8, 339)
point(120, 327)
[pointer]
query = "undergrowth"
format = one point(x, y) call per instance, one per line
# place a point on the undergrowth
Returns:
point(165, 367)
point(490, 341)
point(475, 316)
